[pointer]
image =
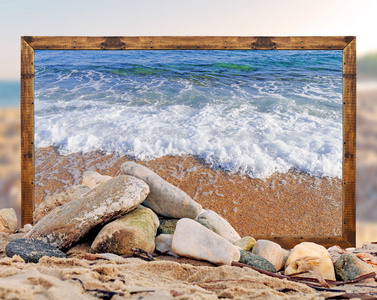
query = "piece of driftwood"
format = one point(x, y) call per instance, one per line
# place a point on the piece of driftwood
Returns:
point(321, 285)
point(345, 43)
point(361, 296)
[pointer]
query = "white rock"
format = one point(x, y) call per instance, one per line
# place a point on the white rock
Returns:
point(196, 241)
point(322, 266)
point(307, 249)
point(270, 251)
point(28, 227)
point(165, 199)
point(163, 244)
point(8, 220)
point(94, 179)
point(51, 202)
point(218, 224)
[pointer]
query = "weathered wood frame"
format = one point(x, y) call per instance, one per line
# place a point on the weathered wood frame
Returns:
point(345, 43)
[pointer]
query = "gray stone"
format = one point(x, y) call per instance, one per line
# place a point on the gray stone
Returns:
point(256, 261)
point(167, 226)
point(195, 241)
point(218, 224)
point(51, 202)
point(246, 243)
point(349, 267)
point(8, 220)
point(270, 251)
point(31, 250)
point(163, 244)
point(165, 199)
point(67, 224)
point(136, 229)
point(94, 179)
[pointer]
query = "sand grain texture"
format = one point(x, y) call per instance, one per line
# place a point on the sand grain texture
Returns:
point(283, 204)
point(57, 278)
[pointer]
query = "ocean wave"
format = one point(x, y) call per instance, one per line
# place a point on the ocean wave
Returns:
point(228, 109)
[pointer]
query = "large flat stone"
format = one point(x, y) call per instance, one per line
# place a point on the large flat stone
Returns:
point(193, 240)
point(51, 202)
point(165, 199)
point(67, 224)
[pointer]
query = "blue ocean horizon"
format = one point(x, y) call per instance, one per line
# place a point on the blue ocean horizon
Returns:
point(10, 93)
point(249, 112)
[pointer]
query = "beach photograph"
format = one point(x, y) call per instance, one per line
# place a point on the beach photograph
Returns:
point(156, 172)
point(239, 131)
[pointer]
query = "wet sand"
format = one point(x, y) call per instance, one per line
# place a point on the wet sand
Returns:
point(283, 204)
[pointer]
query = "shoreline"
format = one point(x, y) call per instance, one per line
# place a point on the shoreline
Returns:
point(290, 203)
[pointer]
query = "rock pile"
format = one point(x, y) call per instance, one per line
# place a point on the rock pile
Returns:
point(141, 210)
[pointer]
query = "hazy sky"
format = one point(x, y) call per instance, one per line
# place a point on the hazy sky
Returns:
point(181, 17)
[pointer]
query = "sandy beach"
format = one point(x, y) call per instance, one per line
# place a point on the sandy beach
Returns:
point(167, 277)
point(133, 278)
point(283, 204)
point(10, 162)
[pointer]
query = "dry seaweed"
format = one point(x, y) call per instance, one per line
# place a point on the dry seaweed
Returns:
point(140, 253)
point(361, 296)
point(103, 294)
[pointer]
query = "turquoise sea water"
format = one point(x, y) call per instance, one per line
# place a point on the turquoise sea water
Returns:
point(253, 112)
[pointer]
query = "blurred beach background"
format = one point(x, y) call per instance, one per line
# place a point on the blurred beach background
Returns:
point(248, 18)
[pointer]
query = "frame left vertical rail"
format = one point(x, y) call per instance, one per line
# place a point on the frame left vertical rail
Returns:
point(27, 133)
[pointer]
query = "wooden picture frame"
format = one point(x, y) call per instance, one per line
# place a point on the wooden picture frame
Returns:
point(345, 43)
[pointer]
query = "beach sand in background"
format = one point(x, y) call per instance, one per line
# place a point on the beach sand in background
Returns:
point(283, 204)
point(10, 160)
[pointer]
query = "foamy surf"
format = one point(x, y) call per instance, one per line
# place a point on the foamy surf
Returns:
point(253, 113)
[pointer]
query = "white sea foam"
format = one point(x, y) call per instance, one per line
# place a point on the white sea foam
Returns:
point(239, 139)
point(253, 121)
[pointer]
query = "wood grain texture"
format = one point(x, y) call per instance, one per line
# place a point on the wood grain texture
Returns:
point(349, 142)
point(187, 42)
point(27, 133)
point(345, 43)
